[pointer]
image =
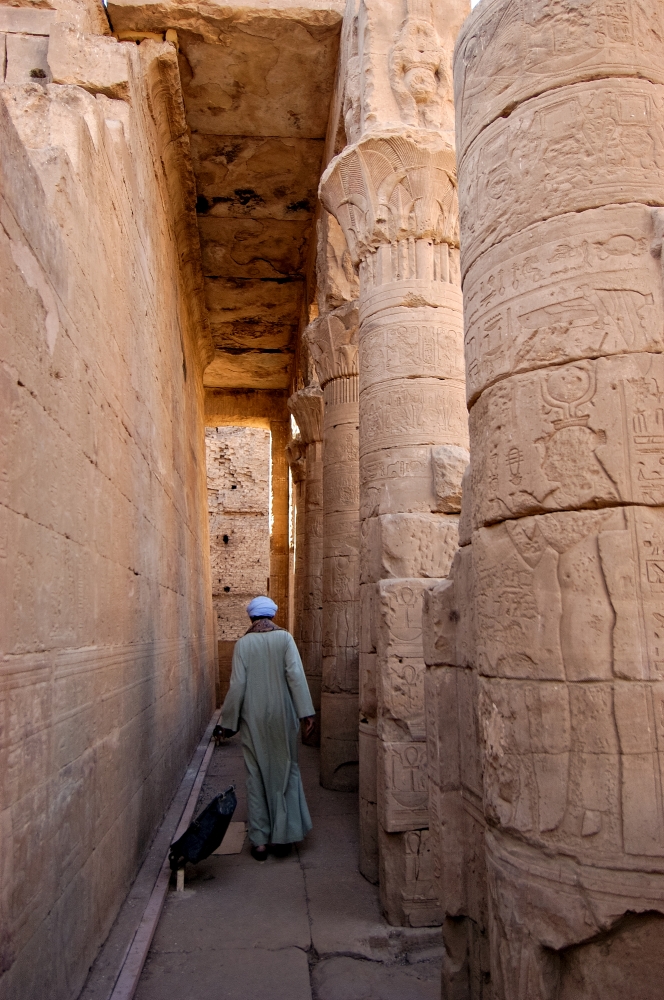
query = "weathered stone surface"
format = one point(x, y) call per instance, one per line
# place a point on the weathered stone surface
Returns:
point(571, 596)
point(249, 370)
point(404, 412)
point(306, 405)
point(336, 280)
point(576, 286)
point(506, 56)
point(512, 173)
point(339, 741)
point(408, 545)
point(588, 434)
point(332, 339)
point(238, 505)
point(414, 344)
point(449, 466)
point(555, 670)
point(257, 142)
point(407, 889)
point(25, 59)
point(403, 802)
point(99, 65)
point(107, 617)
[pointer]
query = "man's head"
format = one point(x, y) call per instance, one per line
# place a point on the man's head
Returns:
point(261, 607)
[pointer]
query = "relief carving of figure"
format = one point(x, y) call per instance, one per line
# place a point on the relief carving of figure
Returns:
point(419, 74)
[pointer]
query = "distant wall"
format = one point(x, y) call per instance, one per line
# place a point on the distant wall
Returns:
point(107, 645)
point(238, 467)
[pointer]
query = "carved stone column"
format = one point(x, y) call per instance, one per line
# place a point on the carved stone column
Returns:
point(306, 405)
point(393, 191)
point(556, 678)
point(332, 341)
point(296, 456)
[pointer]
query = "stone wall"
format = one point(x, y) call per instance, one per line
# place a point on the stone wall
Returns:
point(238, 478)
point(107, 633)
point(545, 647)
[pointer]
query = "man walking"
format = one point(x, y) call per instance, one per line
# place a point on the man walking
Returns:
point(267, 697)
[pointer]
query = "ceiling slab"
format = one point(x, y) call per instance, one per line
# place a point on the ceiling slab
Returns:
point(249, 370)
point(257, 83)
point(258, 178)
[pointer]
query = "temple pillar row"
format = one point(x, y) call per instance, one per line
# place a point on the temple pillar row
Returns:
point(393, 191)
point(306, 405)
point(332, 340)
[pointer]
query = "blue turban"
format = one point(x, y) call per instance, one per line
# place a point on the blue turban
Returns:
point(261, 607)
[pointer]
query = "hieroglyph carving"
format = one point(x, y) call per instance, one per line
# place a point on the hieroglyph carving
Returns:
point(605, 138)
point(578, 286)
point(419, 68)
point(536, 43)
point(588, 434)
point(393, 189)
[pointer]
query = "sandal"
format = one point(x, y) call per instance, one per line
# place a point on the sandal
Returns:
point(259, 853)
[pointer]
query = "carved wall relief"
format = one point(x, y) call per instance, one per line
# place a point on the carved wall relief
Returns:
point(419, 69)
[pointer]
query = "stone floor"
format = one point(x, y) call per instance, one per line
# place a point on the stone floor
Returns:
point(307, 927)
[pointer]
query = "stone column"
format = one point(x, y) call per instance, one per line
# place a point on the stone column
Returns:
point(393, 190)
point(296, 457)
point(563, 557)
point(280, 432)
point(332, 341)
point(306, 405)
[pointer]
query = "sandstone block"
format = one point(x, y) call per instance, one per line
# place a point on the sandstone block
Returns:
point(398, 480)
point(407, 887)
point(399, 621)
point(408, 545)
point(341, 489)
point(99, 65)
point(403, 802)
point(577, 286)
point(367, 618)
point(449, 465)
point(531, 54)
point(337, 282)
point(26, 59)
point(588, 434)
point(554, 902)
point(368, 794)
point(406, 412)
point(26, 20)
point(512, 172)
point(574, 595)
point(367, 684)
point(441, 698)
point(413, 342)
point(339, 752)
point(563, 766)
point(448, 622)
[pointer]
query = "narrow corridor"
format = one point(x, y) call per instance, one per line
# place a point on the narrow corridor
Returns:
point(303, 928)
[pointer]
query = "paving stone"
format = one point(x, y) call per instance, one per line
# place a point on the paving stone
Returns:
point(355, 979)
point(230, 973)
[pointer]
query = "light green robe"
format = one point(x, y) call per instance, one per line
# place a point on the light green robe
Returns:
point(267, 697)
